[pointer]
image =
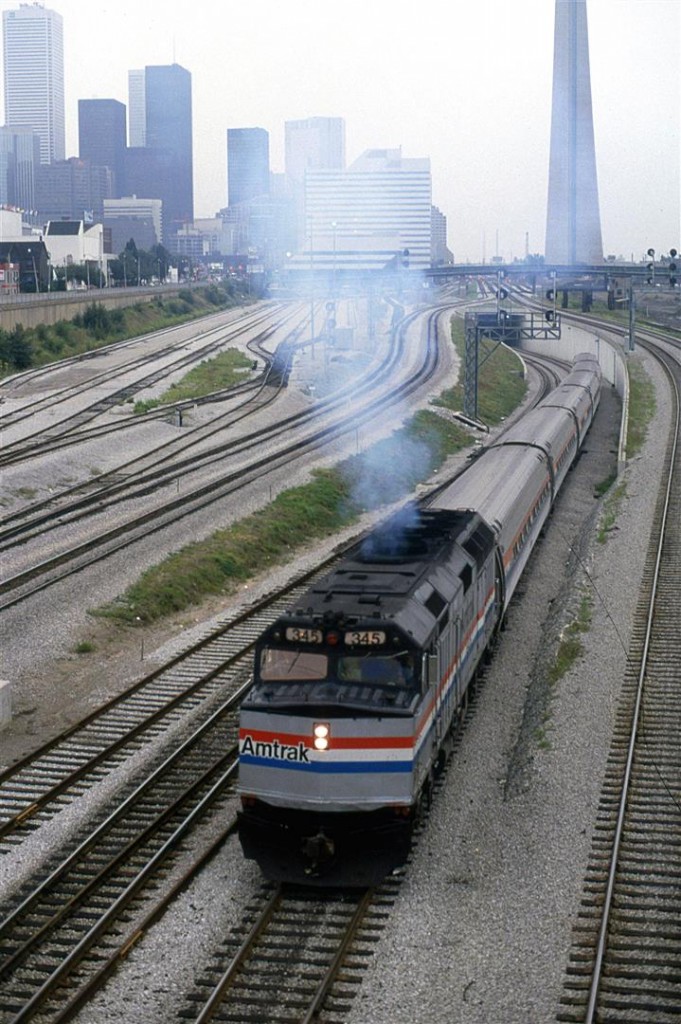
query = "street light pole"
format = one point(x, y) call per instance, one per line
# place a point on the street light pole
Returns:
point(311, 291)
point(333, 273)
point(632, 315)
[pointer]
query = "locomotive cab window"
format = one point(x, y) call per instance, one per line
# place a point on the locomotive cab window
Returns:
point(371, 669)
point(281, 665)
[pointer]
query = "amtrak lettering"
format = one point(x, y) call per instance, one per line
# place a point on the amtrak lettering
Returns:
point(275, 749)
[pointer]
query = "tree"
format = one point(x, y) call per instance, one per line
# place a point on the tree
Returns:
point(19, 349)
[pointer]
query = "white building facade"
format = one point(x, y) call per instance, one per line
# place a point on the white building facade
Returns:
point(376, 213)
point(137, 116)
point(33, 52)
point(69, 242)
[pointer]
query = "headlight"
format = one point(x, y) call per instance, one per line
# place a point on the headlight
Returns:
point(321, 736)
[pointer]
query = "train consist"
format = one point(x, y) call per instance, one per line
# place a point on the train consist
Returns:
point(358, 691)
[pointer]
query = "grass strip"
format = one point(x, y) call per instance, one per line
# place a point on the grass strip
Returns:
point(501, 384)
point(211, 375)
point(333, 499)
point(642, 407)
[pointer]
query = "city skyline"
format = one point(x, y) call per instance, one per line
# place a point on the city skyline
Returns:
point(475, 100)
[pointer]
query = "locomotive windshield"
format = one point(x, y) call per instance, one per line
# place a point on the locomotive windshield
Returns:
point(277, 664)
point(372, 669)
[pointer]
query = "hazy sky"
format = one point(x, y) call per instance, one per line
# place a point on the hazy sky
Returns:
point(466, 83)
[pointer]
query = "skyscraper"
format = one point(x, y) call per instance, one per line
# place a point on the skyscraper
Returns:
point(573, 225)
point(137, 116)
point(315, 143)
point(159, 162)
point(102, 137)
point(248, 164)
point(72, 189)
point(33, 53)
point(168, 107)
point(312, 144)
point(19, 160)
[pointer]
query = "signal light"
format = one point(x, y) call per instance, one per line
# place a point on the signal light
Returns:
point(549, 315)
point(673, 253)
point(550, 295)
point(503, 294)
point(673, 268)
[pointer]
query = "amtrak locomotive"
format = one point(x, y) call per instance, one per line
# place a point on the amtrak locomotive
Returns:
point(358, 691)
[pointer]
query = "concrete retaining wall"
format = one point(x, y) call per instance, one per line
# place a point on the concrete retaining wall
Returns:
point(32, 310)
point(5, 703)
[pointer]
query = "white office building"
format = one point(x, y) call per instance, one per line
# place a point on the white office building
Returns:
point(33, 53)
point(375, 214)
point(137, 104)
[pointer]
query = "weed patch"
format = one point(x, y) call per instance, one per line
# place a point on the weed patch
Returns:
point(570, 646)
point(642, 407)
point(84, 647)
point(611, 508)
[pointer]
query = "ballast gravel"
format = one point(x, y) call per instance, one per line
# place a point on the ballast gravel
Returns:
point(480, 930)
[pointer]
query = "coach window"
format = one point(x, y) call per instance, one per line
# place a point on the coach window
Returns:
point(281, 665)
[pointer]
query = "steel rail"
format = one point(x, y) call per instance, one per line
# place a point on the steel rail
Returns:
point(627, 774)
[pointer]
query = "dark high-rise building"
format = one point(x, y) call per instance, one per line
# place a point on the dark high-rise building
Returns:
point(72, 190)
point(102, 137)
point(19, 160)
point(248, 164)
point(149, 174)
point(168, 110)
point(573, 225)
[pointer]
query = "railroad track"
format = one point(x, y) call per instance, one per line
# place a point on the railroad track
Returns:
point(74, 558)
point(66, 431)
point(60, 939)
point(625, 961)
point(54, 935)
point(285, 961)
point(39, 786)
point(152, 470)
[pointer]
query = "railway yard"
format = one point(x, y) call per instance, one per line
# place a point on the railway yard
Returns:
point(123, 890)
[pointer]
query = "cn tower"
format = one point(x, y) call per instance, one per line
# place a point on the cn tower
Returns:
point(573, 223)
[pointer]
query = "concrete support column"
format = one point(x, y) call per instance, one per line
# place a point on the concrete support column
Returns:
point(5, 703)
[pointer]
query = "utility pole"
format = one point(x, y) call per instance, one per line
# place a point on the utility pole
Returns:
point(632, 315)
